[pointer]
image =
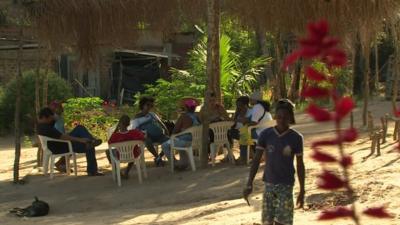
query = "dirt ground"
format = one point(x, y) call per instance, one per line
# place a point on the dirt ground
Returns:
point(207, 196)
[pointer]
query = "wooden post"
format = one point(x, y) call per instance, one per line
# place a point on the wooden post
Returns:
point(121, 68)
point(213, 71)
point(17, 116)
point(366, 86)
point(396, 79)
point(46, 82)
point(39, 154)
point(376, 80)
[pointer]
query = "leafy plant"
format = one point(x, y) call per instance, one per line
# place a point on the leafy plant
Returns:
point(58, 89)
point(319, 46)
point(94, 114)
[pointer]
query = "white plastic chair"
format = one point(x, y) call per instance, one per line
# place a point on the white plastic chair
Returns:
point(126, 155)
point(48, 155)
point(196, 132)
point(220, 130)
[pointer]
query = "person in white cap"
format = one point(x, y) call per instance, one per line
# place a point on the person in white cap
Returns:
point(260, 114)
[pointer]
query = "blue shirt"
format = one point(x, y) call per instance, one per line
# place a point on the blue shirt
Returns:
point(280, 150)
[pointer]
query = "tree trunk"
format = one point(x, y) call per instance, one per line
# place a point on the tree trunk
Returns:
point(366, 86)
point(121, 73)
point(395, 72)
point(376, 80)
point(358, 69)
point(213, 71)
point(295, 84)
point(17, 122)
point(39, 154)
point(46, 83)
point(263, 51)
point(281, 84)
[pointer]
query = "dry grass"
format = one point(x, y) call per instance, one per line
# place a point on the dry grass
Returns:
point(87, 25)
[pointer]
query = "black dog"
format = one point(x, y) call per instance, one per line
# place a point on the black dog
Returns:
point(38, 208)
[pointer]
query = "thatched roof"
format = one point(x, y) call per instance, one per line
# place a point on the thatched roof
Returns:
point(86, 25)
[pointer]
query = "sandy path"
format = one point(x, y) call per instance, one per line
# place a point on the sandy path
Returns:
point(209, 196)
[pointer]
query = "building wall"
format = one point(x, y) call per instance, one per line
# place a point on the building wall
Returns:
point(8, 63)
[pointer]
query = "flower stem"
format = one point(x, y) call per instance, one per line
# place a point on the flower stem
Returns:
point(349, 189)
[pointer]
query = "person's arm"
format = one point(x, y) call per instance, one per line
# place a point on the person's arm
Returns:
point(161, 123)
point(301, 175)
point(178, 125)
point(301, 172)
point(253, 171)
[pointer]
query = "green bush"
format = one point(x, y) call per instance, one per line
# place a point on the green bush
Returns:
point(58, 89)
point(97, 116)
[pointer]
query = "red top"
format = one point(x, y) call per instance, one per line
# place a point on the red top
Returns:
point(131, 135)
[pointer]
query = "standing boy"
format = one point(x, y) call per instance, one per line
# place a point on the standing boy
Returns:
point(281, 145)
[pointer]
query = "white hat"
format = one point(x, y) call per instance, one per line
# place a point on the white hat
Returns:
point(257, 96)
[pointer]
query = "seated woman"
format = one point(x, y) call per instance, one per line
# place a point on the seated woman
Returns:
point(122, 134)
point(150, 123)
point(186, 120)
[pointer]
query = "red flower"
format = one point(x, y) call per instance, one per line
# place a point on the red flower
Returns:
point(343, 107)
point(113, 105)
point(322, 157)
point(318, 30)
point(335, 57)
point(339, 212)
point(378, 212)
point(346, 161)
point(105, 103)
point(319, 114)
point(329, 181)
point(313, 74)
point(290, 59)
point(324, 143)
point(397, 113)
point(350, 135)
point(315, 92)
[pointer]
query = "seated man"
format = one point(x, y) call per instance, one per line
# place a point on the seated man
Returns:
point(82, 140)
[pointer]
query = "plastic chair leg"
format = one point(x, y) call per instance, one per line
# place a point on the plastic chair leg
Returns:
point(52, 167)
point(248, 154)
point(191, 158)
point(75, 165)
point(230, 155)
point(118, 173)
point(143, 165)
point(171, 160)
point(114, 168)
point(212, 153)
point(46, 158)
point(67, 165)
point(139, 172)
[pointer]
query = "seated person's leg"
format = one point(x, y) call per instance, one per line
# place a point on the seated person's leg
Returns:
point(166, 149)
point(81, 131)
point(149, 145)
point(183, 162)
point(90, 156)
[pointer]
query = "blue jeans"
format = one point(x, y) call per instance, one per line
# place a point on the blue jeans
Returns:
point(78, 147)
point(178, 142)
point(234, 134)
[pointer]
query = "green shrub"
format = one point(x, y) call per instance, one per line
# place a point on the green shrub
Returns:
point(58, 89)
point(97, 116)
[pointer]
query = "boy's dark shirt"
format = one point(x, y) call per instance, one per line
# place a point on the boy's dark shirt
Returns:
point(280, 150)
point(48, 130)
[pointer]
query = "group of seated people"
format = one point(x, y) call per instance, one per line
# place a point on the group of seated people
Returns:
point(148, 127)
